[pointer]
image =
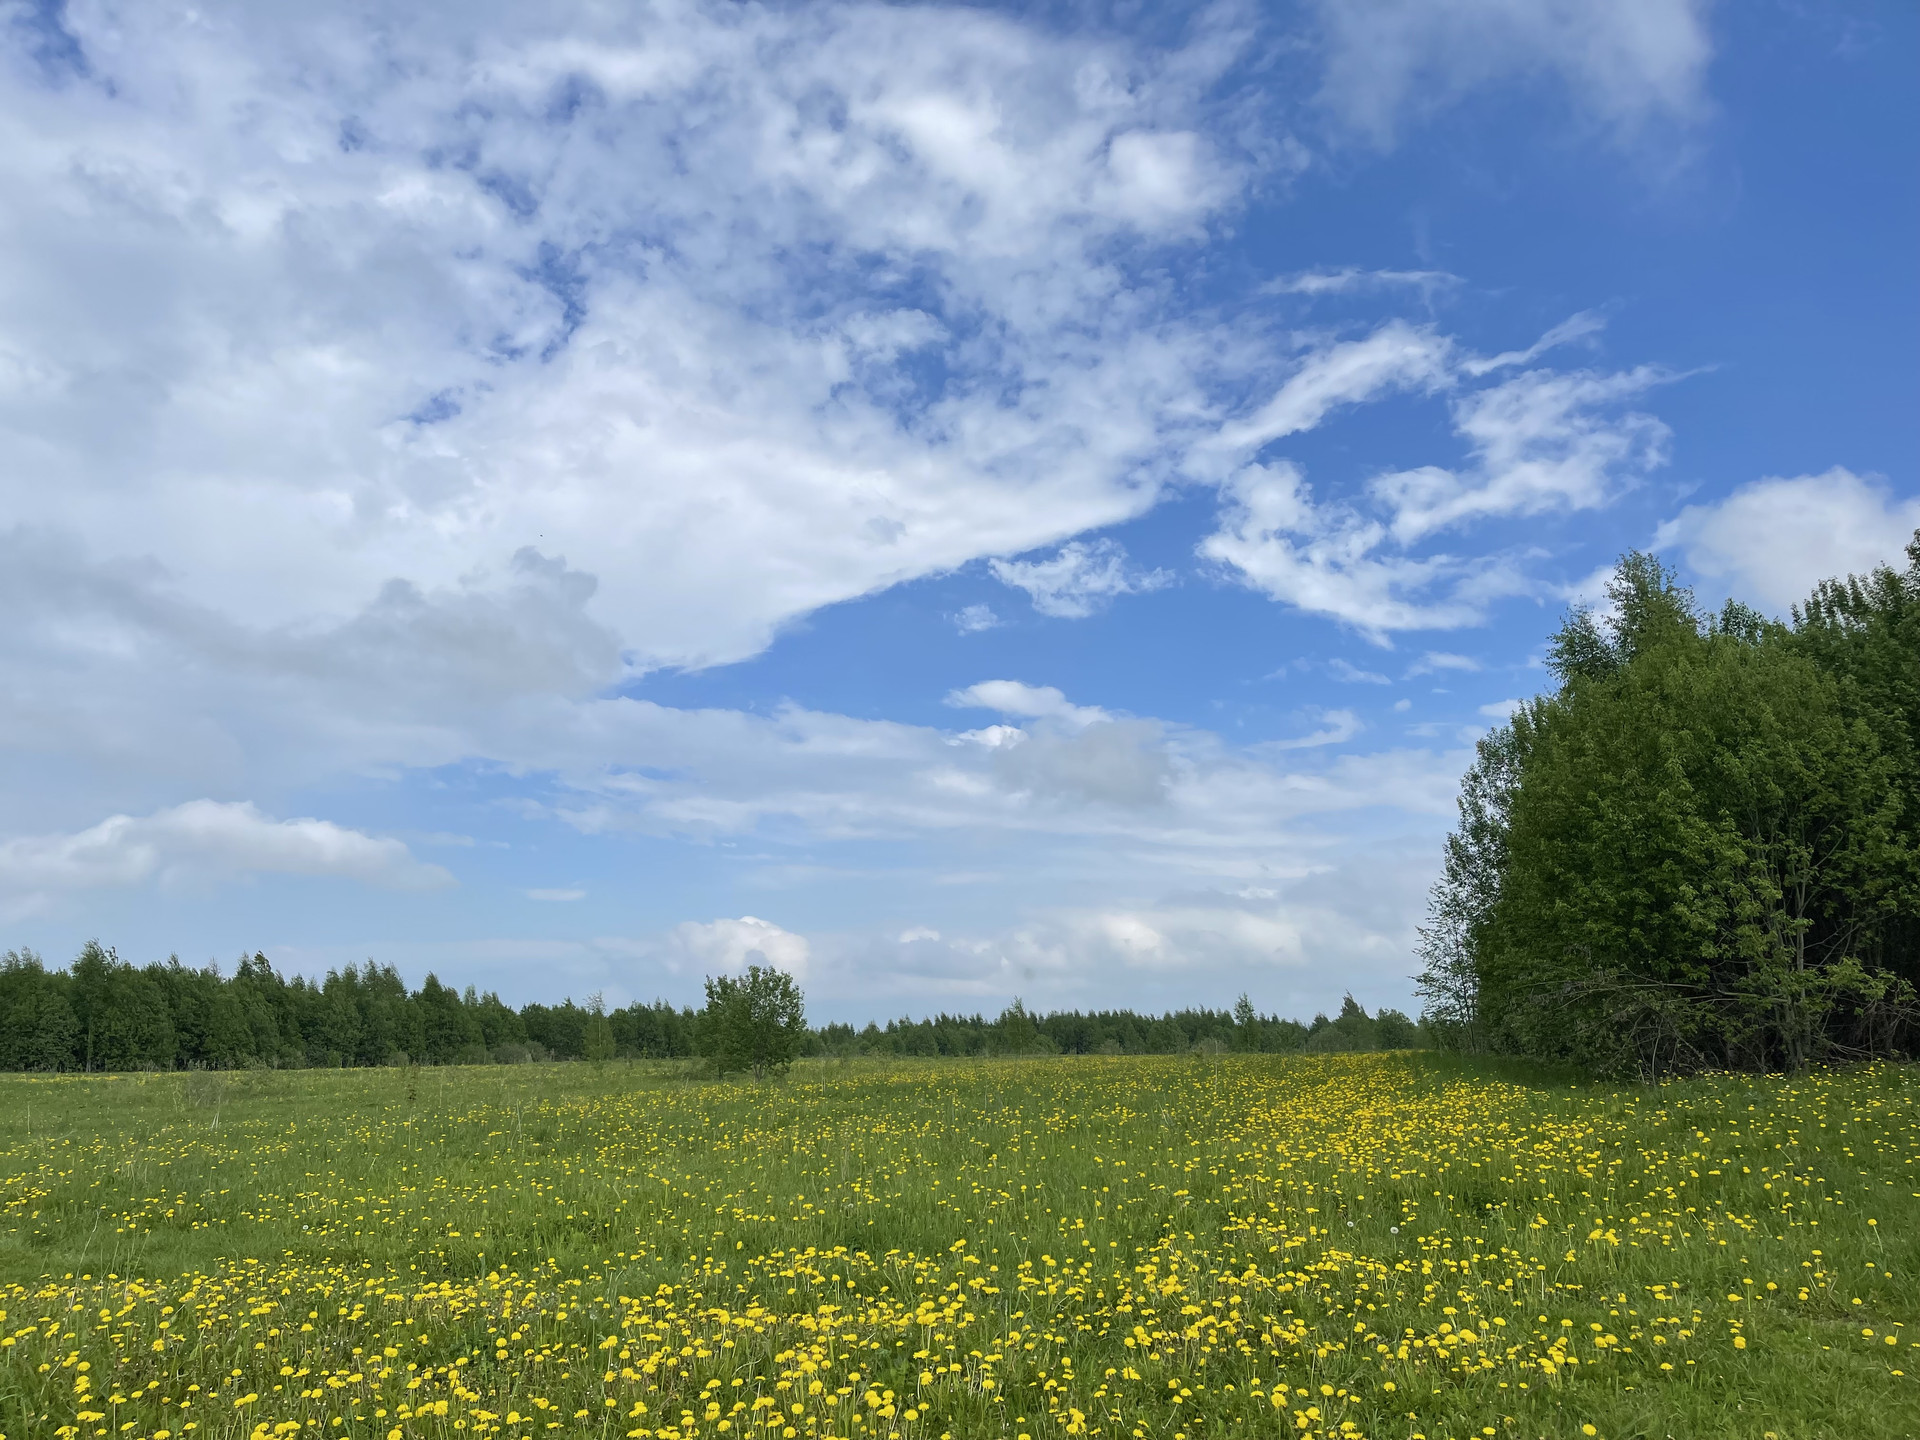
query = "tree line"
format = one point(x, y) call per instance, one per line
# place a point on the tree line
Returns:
point(103, 1013)
point(1701, 848)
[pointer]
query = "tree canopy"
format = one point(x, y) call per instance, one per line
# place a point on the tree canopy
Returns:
point(1700, 848)
point(102, 1013)
point(755, 1022)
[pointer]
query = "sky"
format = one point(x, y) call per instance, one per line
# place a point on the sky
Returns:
point(956, 503)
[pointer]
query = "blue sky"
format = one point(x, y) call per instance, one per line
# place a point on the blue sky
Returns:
point(959, 503)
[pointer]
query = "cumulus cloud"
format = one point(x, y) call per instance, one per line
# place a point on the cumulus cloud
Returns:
point(995, 878)
point(1623, 63)
point(1169, 938)
point(1082, 578)
point(200, 842)
point(972, 619)
point(1772, 541)
point(1076, 754)
point(729, 946)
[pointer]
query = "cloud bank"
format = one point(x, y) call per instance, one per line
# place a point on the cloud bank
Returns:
point(199, 843)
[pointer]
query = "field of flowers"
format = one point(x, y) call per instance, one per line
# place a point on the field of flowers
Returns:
point(1395, 1245)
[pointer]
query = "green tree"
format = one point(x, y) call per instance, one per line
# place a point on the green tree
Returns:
point(1016, 1033)
point(755, 1022)
point(1474, 863)
point(598, 1039)
point(37, 1027)
point(1396, 1031)
point(1245, 1024)
point(1694, 852)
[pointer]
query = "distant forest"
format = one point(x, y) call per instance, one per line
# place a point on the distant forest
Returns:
point(1701, 849)
point(101, 1013)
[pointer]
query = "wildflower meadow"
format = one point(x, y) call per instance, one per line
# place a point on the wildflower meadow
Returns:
point(1385, 1245)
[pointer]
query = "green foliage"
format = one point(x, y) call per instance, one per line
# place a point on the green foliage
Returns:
point(1019, 1031)
point(1700, 850)
point(756, 1022)
point(104, 1014)
point(597, 1040)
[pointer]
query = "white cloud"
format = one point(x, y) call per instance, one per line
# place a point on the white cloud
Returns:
point(1623, 63)
point(1033, 702)
point(972, 619)
point(1078, 754)
point(1435, 662)
point(200, 842)
point(1502, 709)
point(1110, 762)
point(1295, 939)
point(994, 737)
point(729, 946)
point(557, 896)
point(1336, 728)
point(1322, 558)
point(1772, 541)
point(1172, 938)
point(1539, 441)
point(1353, 675)
point(332, 337)
point(1353, 279)
point(1395, 356)
point(1574, 328)
point(1080, 580)
point(412, 290)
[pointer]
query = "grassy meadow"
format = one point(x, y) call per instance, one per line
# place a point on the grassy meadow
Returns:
point(1368, 1245)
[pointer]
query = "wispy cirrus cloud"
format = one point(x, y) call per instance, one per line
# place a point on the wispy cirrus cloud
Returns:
point(1436, 662)
point(1352, 674)
point(1538, 441)
point(1082, 578)
point(1626, 66)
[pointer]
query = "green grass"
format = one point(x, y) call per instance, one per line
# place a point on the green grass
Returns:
point(1391, 1245)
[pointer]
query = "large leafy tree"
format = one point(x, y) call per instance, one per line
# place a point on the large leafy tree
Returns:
point(1699, 849)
